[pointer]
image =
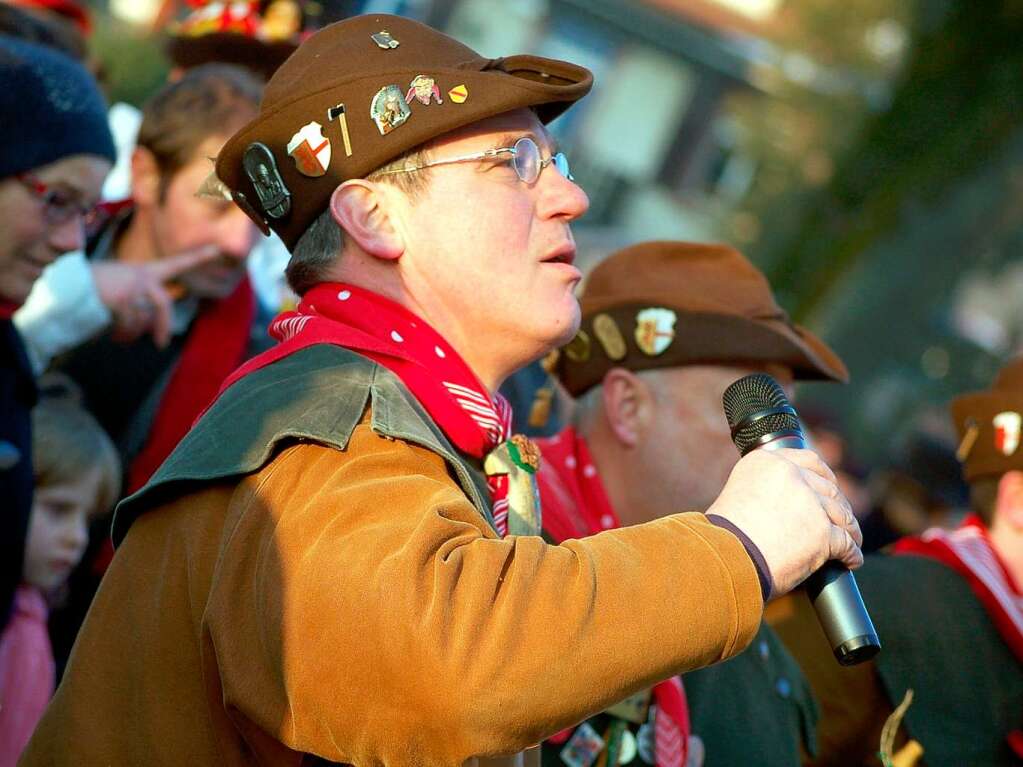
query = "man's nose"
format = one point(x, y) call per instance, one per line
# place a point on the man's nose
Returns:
point(561, 197)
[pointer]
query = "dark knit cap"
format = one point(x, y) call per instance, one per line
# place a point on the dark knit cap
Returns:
point(51, 107)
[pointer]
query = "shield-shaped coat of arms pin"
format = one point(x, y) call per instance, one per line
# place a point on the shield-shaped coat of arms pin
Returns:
point(655, 330)
point(310, 150)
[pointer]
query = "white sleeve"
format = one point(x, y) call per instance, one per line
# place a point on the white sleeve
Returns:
point(62, 311)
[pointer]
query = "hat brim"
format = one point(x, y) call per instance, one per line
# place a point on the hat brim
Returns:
point(708, 339)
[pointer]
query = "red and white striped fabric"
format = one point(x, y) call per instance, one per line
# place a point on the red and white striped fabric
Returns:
point(345, 315)
point(968, 551)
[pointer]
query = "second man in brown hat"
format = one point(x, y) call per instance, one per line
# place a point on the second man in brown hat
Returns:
point(666, 327)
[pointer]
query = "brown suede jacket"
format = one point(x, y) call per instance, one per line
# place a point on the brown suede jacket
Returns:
point(346, 599)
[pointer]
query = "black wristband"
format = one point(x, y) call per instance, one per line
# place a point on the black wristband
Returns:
point(763, 573)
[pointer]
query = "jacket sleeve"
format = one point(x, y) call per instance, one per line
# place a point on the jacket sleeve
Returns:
point(364, 611)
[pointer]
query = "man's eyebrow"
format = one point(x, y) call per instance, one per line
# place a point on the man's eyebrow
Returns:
point(545, 141)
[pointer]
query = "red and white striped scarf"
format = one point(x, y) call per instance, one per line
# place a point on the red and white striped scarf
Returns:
point(969, 552)
point(345, 315)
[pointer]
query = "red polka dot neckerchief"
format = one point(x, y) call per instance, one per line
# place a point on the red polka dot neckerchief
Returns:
point(475, 421)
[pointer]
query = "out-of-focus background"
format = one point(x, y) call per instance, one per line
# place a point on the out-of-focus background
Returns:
point(867, 154)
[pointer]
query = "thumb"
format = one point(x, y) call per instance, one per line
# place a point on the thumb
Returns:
point(170, 267)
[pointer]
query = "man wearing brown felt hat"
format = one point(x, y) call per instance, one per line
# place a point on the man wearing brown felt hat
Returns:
point(949, 605)
point(342, 558)
point(666, 327)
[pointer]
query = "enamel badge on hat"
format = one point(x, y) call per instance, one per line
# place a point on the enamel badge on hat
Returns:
point(310, 150)
point(423, 88)
point(261, 168)
point(1007, 427)
point(655, 330)
point(389, 109)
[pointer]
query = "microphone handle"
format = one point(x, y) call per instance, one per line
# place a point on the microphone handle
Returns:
point(833, 592)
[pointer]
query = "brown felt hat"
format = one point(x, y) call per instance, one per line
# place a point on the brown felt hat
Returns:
point(988, 423)
point(664, 304)
point(377, 86)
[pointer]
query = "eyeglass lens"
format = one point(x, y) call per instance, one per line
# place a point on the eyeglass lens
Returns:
point(528, 163)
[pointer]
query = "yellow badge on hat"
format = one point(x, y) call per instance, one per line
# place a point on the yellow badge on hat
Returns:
point(1007, 427)
point(578, 349)
point(655, 330)
point(310, 150)
point(458, 94)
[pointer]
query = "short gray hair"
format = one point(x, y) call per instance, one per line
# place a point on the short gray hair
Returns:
point(320, 245)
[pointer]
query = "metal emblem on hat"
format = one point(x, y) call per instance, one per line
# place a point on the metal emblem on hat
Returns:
point(423, 88)
point(384, 40)
point(338, 113)
point(310, 150)
point(261, 168)
point(389, 109)
point(458, 94)
point(578, 349)
point(655, 330)
point(610, 337)
point(1007, 432)
point(583, 748)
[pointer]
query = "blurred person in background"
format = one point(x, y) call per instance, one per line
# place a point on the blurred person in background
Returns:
point(948, 607)
point(55, 150)
point(666, 327)
point(147, 393)
point(77, 479)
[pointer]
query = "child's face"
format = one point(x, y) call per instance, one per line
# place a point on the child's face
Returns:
point(59, 529)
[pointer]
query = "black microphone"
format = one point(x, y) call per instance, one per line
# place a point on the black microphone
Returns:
point(760, 417)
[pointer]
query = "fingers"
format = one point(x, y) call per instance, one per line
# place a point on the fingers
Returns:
point(163, 308)
point(844, 549)
point(170, 267)
point(807, 459)
point(835, 504)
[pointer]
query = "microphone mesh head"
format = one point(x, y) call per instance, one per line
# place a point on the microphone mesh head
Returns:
point(750, 395)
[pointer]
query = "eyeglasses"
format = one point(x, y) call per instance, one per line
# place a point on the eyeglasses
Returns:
point(59, 206)
point(525, 158)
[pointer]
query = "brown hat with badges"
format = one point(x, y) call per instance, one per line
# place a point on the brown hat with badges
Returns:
point(257, 36)
point(988, 423)
point(363, 91)
point(665, 304)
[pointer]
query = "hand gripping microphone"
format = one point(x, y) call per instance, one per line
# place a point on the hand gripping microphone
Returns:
point(761, 417)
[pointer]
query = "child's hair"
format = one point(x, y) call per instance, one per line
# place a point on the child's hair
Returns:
point(67, 442)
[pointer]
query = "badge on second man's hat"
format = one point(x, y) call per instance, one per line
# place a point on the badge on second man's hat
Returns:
point(384, 40)
point(458, 94)
point(610, 337)
point(261, 168)
point(1007, 428)
point(389, 109)
point(310, 150)
point(578, 349)
point(655, 330)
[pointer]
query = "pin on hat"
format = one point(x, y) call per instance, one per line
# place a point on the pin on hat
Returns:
point(337, 112)
point(610, 337)
point(261, 168)
point(458, 94)
point(310, 150)
point(423, 88)
point(655, 330)
point(1006, 425)
point(384, 40)
point(578, 349)
point(389, 110)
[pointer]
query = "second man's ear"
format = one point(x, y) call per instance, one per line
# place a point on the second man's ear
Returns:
point(628, 405)
point(363, 209)
point(145, 178)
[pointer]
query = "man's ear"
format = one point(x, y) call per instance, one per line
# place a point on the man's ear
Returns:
point(628, 405)
point(364, 211)
point(145, 178)
point(1009, 504)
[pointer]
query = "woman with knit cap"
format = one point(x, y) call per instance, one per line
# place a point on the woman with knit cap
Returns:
point(55, 151)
